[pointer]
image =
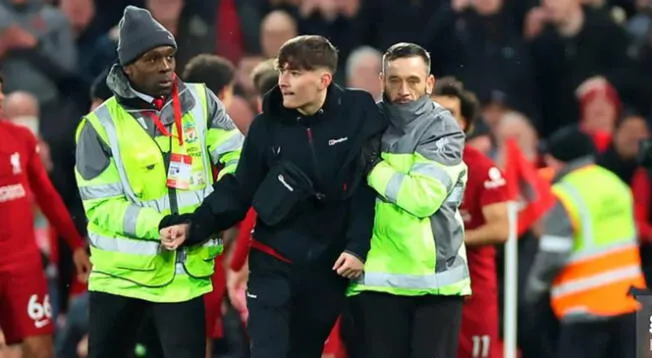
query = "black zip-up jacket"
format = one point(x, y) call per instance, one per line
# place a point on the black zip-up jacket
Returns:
point(327, 147)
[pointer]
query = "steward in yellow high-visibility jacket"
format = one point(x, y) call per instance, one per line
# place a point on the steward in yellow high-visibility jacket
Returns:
point(144, 154)
point(588, 257)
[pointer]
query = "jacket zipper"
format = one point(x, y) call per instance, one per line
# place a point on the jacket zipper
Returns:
point(172, 192)
point(315, 162)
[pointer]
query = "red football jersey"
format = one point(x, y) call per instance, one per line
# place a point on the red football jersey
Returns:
point(22, 179)
point(485, 186)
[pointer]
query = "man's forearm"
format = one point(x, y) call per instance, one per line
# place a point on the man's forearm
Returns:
point(488, 234)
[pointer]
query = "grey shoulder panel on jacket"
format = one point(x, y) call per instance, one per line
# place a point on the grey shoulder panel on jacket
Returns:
point(218, 118)
point(92, 155)
point(557, 222)
point(442, 138)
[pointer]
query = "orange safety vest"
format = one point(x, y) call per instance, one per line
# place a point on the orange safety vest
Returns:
point(605, 261)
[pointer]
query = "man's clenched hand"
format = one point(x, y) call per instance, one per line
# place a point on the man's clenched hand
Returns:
point(348, 266)
point(172, 237)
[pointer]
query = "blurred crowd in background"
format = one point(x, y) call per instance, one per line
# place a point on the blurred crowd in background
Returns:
point(534, 65)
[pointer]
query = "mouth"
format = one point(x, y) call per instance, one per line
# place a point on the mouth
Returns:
point(165, 82)
point(287, 93)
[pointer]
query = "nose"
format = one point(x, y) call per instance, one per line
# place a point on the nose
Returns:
point(283, 80)
point(166, 65)
point(404, 90)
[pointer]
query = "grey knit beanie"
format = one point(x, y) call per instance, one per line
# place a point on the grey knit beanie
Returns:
point(139, 32)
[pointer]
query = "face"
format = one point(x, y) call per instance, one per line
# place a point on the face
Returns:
point(275, 32)
point(559, 9)
point(453, 104)
point(365, 76)
point(243, 73)
point(165, 10)
point(599, 115)
point(301, 88)
point(487, 7)
point(492, 113)
point(629, 135)
point(643, 4)
point(407, 79)
point(226, 95)
point(79, 12)
point(521, 131)
point(153, 72)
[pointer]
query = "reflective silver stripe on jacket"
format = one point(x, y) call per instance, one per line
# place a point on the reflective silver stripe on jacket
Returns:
point(233, 143)
point(430, 281)
point(184, 198)
point(135, 246)
point(590, 251)
point(427, 169)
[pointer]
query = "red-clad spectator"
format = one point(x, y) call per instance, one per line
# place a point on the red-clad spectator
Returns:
point(484, 210)
point(25, 313)
point(600, 108)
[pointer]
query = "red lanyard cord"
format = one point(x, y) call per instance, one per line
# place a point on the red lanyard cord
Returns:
point(176, 106)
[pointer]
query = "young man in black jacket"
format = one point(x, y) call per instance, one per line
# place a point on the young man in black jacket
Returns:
point(302, 167)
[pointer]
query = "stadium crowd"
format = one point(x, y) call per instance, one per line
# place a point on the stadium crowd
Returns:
point(523, 70)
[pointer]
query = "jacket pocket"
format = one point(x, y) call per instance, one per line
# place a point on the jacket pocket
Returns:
point(282, 190)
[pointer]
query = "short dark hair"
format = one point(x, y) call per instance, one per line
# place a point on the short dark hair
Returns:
point(404, 50)
point(308, 52)
point(469, 104)
point(265, 76)
point(215, 71)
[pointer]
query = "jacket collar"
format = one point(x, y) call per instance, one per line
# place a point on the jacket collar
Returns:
point(400, 115)
point(126, 96)
point(574, 165)
point(273, 104)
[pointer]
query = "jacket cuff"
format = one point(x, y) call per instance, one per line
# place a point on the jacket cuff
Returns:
point(202, 225)
point(355, 250)
point(175, 219)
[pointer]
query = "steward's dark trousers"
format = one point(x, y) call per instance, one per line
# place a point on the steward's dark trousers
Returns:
point(610, 338)
point(292, 308)
point(115, 321)
point(407, 327)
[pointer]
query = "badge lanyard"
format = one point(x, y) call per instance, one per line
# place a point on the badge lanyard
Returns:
point(176, 105)
point(179, 165)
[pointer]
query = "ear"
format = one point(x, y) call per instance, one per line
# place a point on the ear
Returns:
point(128, 70)
point(325, 80)
point(430, 84)
point(381, 78)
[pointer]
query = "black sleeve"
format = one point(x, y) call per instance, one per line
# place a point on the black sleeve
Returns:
point(232, 195)
point(361, 221)
point(362, 203)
